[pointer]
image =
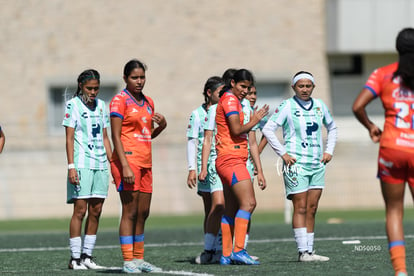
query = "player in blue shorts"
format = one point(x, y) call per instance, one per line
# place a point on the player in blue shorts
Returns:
point(301, 118)
point(209, 187)
point(88, 150)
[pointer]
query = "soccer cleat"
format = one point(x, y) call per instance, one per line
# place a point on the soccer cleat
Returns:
point(76, 264)
point(215, 259)
point(88, 261)
point(242, 257)
point(145, 266)
point(225, 260)
point(318, 258)
point(130, 267)
point(304, 257)
point(205, 257)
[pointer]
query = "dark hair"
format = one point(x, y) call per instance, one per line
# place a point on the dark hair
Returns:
point(212, 84)
point(227, 77)
point(405, 47)
point(89, 74)
point(134, 64)
point(302, 72)
point(239, 75)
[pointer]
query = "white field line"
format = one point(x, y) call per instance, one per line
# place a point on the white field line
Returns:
point(176, 244)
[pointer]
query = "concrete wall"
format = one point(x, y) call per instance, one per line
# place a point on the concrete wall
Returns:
point(183, 43)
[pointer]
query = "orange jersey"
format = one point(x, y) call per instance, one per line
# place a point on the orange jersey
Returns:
point(225, 142)
point(398, 102)
point(136, 127)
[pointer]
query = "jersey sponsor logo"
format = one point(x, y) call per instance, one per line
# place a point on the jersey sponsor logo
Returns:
point(144, 119)
point(311, 127)
point(403, 94)
point(387, 164)
point(96, 129)
point(146, 131)
point(305, 144)
point(149, 110)
point(297, 113)
point(67, 115)
point(319, 112)
point(134, 110)
point(85, 115)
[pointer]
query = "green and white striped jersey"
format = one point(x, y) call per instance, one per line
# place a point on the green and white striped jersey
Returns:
point(195, 128)
point(302, 130)
point(89, 147)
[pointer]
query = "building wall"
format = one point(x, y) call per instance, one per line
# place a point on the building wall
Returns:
point(183, 43)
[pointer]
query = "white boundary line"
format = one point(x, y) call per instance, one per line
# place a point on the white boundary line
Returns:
point(36, 249)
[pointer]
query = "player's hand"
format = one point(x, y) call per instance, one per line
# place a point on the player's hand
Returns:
point(128, 175)
point(326, 158)
point(202, 175)
point(261, 181)
point(375, 133)
point(192, 179)
point(261, 113)
point(73, 176)
point(288, 160)
point(159, 119)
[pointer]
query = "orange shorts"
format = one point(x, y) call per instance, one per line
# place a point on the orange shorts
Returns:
point(143, 178)
point(395, 166)
point(232, 169)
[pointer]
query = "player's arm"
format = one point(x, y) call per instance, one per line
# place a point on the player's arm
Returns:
point(127, 173)
point(107, 144)
point(359, 109)
point(159, 119)
point(237, 129)
point(205, 153)
point(262, 144)
point(191, 160)
point(2, 139)
point(254, 152)
point(70, 153)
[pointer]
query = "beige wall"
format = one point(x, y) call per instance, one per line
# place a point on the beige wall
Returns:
point(183, 42)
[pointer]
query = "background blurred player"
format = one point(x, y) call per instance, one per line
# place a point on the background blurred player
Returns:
point(2, 139)
point(209, 186)
point(394, 85)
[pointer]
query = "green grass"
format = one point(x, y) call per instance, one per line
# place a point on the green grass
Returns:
point(39, 247)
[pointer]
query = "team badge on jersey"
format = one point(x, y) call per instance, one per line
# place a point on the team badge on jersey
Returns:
point(149, 110)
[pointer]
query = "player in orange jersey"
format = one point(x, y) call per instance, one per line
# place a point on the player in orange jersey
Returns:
point(132, 120)
point(232, 153)
point(394, 85)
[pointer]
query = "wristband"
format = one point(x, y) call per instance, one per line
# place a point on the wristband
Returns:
point(71, 166)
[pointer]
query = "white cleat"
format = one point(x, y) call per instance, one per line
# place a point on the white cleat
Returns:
point(130, 267)
point(88, 261)
point(145, 266)
point(318, 258)
point(76, 264)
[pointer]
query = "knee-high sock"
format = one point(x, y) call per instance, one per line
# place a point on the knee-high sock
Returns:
point(139, 246)
point(240, 229)
point(75, 245)
point(89, 244)
point(310, 238)
point(301, 239)
point(397, 253)
point(127, 247)
point(227, 228)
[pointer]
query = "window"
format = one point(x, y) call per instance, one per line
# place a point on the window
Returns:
point(59, 94)
point(271, 93)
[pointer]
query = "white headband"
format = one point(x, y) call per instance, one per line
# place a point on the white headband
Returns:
point(302, 76)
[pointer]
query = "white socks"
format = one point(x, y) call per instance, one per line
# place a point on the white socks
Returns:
point(310, 241)
point(301, 238)
point(89, 244)
point(75, 245)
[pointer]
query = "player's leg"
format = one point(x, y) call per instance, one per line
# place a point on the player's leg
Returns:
point(227, 224)
point(393, 195)
point(75, 229)
point(299, 201)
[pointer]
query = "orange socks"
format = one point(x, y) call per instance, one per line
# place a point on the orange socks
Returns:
point(139, 246)
point(227, 228)
point(397, 253)
point(241, 224)
point(127, 247)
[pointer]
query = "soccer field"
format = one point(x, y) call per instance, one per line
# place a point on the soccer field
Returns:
point(41, 247)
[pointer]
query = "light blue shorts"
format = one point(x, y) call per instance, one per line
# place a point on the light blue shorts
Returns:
point(299, 179)
point(93, 184)
point(212, 183)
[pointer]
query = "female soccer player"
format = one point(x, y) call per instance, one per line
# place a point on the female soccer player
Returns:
point(232, 154)
point(210, 187)
point(301, 118)
point(132, 121)
point(394, 85)
point(88, 150)
point(2, 139)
